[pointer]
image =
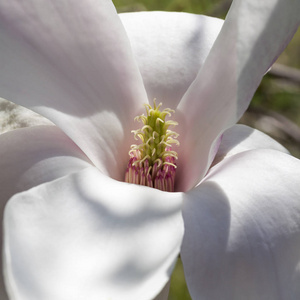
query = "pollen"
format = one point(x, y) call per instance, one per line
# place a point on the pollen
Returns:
point(152, 162)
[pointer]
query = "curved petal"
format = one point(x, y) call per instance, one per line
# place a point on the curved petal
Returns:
point(87, 236)
point(71, 61)
point(254, 34)
point(242, 229)
point(170, 49)
point(32, 156)
point(240, 138)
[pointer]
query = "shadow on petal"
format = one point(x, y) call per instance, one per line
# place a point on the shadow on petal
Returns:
point(207, 225)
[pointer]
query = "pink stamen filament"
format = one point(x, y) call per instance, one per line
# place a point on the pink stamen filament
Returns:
point(161, 176)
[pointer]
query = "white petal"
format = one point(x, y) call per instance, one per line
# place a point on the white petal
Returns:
point(170, 49)
point(32, 156)
point(71, 61)
point(87, 236)
point(240, 138)
point(255, 32)
point(242, 229)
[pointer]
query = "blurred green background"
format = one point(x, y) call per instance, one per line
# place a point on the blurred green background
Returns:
point(275, 108)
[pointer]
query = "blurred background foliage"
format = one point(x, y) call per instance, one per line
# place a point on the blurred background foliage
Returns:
point(275, 108)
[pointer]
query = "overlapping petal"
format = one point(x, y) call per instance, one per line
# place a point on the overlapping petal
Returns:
point(32, 156)
point(71, 61)
point(240, 138)
point(87, 236)
point(170, 48)
point(253, 35)
point(242, 229)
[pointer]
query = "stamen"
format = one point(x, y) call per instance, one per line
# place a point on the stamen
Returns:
point(152, 163)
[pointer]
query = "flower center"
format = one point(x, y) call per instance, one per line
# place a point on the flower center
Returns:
point(152, 162)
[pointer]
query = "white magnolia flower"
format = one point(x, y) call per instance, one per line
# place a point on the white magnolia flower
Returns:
point(72, 228)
